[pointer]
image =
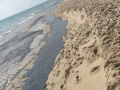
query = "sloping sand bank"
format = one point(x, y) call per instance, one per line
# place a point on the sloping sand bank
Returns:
point(90, 58)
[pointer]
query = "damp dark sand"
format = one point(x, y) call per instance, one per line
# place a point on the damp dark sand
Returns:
point(43, 65)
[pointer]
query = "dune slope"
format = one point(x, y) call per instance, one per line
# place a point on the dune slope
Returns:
point(90, 58)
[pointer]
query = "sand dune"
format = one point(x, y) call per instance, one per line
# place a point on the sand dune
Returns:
point(90, 58)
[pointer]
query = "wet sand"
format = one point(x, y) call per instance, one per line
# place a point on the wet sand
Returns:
point(43, 65)
point(17, 56)
point(24, 49)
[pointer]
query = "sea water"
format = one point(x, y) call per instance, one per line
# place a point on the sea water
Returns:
point(19, 21)
point(13, 45)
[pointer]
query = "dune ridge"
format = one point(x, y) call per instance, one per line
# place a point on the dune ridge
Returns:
point(90, 58)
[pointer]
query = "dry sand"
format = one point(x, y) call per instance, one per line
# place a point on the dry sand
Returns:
point(90, 58)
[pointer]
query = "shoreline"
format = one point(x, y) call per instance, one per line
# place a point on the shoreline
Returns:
point(27, 46)
point(17, 80)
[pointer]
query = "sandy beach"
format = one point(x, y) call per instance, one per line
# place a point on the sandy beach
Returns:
point(75, 46)
point(90, 58)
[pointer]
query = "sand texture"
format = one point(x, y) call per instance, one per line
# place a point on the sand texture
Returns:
point(90, 58)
